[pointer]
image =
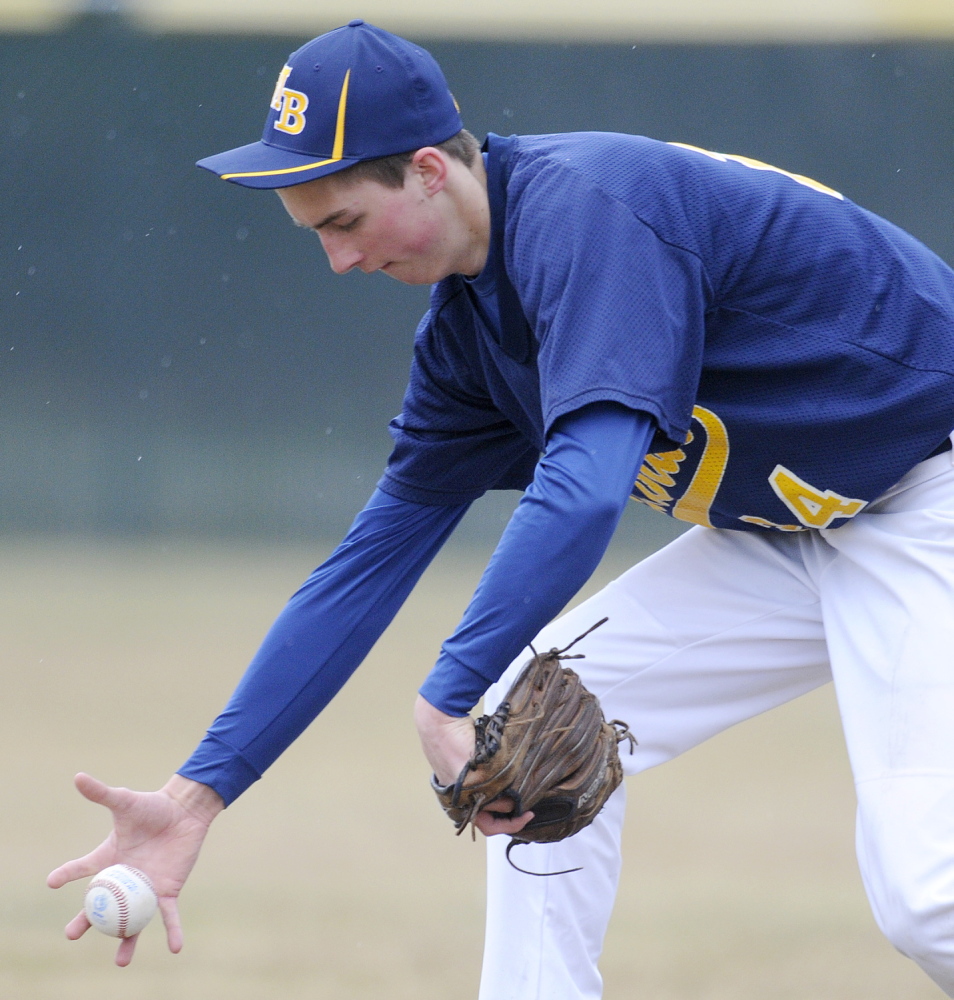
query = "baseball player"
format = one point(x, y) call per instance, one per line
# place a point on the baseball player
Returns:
point(734, 345)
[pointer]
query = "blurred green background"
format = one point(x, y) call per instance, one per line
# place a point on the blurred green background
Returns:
point(176, 358)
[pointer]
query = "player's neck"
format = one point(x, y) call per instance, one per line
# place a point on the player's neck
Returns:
point(468, 191)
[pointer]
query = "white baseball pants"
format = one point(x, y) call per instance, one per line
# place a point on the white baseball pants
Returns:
point(722, 625)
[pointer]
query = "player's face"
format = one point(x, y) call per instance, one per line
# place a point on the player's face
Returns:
point(405, 232)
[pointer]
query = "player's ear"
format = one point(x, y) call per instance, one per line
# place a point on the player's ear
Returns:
point(429, 165)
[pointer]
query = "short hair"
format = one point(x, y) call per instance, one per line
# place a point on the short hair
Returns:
point(390, 170)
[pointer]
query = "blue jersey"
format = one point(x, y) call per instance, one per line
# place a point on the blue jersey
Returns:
point(795, 351)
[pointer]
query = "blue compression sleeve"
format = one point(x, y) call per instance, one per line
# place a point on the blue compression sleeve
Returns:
point(319, 639)
point(554, 541)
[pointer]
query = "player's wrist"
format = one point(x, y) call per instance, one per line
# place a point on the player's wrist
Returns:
point(199, 800)
point(447, 740)
point(429, 718)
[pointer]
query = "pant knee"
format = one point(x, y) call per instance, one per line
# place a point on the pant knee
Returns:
point(905, 840)
point(921, 926)
point(919, 931)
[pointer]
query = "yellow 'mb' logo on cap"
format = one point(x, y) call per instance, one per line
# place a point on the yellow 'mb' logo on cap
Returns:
point(290, 105)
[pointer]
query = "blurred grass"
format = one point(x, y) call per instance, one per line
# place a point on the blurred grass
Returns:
point(337, 876)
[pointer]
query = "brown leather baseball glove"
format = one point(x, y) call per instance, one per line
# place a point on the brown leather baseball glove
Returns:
point(547, 748)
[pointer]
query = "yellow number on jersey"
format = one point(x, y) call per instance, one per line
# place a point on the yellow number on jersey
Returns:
point(812, 507)
point(759, 165)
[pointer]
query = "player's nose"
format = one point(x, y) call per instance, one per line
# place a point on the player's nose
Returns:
point(341, 256)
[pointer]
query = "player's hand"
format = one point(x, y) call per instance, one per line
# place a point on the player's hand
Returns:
point(160, 833)
point(448, 743)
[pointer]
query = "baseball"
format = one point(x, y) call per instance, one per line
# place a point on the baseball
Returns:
point(120, 901)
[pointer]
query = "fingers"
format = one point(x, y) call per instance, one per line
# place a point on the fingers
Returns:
point(495, 818)
point(89, 865)
point(124, 953)
point(90, 788)
point(102, 794)
point(490, 825)
point(77, 927)
point(170, 917)
point(60, 876)
point(72, 870)
point(85, 867)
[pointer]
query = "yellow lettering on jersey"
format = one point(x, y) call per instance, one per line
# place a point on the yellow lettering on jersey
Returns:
point(694, 505)
point(812, 507)
point(762, 523)
point(653, 492)
point(656, 474)
point(276, 101)
point(759, 165)
point(291, 117)
point(665, 465)
point(661, 478)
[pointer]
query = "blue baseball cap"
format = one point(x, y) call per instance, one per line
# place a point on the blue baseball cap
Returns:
point(355, 93)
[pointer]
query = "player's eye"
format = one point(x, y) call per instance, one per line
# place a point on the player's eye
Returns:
point(346, 227)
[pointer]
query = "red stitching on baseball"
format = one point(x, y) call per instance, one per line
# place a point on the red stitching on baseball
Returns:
point(117, 894)
point(144, 877)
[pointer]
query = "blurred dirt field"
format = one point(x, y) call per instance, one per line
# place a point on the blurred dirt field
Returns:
point(337, 877)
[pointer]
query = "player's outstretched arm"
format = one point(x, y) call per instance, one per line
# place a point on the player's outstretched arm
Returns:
point(160, 833)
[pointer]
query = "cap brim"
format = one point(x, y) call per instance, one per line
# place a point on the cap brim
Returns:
point(259, 165)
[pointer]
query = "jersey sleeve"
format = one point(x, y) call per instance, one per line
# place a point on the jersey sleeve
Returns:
point(320, 638)
point(451, 443)
point(617, 311)
point(558, 534)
